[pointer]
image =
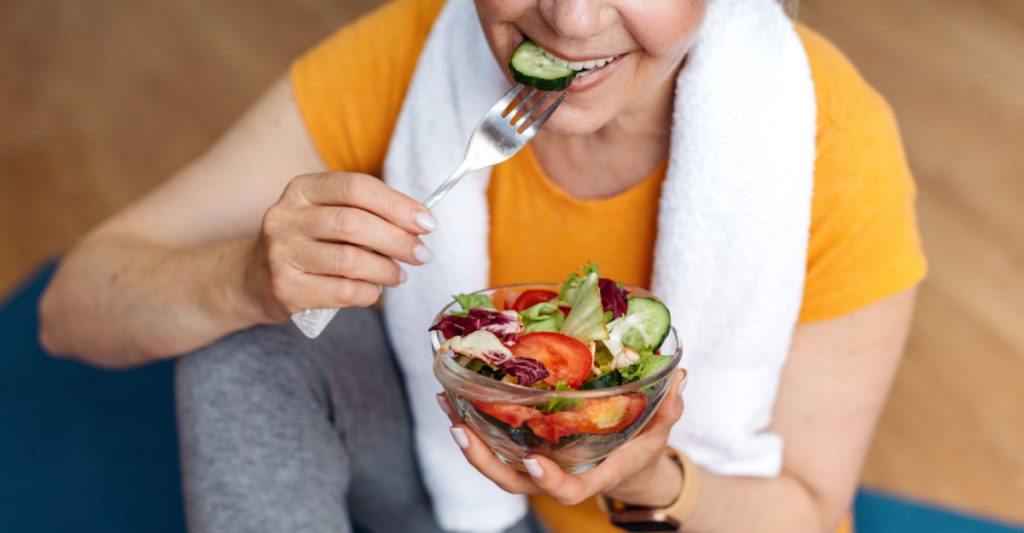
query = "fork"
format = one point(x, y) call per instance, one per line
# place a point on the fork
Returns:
point(500, 134)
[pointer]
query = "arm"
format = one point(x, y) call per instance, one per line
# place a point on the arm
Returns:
point(202, 255)
point(832, 390)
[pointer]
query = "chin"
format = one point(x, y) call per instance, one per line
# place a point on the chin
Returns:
point(574, 120)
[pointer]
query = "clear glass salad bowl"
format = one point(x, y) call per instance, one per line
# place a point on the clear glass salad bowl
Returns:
point(479, 399)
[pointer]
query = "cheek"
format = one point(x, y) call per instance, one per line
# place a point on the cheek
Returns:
point(665, 28)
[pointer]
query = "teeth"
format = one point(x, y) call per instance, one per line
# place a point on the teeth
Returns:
point(579, 65)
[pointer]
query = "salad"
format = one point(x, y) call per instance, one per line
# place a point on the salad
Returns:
point(591, 334)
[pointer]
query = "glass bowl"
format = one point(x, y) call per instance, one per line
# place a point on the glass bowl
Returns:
point(471, 394)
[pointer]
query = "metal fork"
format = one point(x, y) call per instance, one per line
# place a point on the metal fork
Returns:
point(500, 134)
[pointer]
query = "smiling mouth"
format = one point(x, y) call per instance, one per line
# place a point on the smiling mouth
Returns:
point(582, 68)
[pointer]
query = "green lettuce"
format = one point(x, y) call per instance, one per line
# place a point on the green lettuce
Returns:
point(469, 301)
point(648, 364)
point(545, 316)
point(586, 318)
point(567, 294)
point(562, 404)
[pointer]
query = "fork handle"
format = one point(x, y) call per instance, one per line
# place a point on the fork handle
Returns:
point(313, 322)
point(447, 185)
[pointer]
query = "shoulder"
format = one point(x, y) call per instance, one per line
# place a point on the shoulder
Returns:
point(350, 87)
point(864, 243)
point(843, 95)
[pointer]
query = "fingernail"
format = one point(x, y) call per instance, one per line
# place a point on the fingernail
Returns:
point(422, 254)
point(403, 276)
point(682, 384)
point(533, 467)
point(460, 438)
point(425, 220)
point(443, 402)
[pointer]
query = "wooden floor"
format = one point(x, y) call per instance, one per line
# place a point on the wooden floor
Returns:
point(101, 100)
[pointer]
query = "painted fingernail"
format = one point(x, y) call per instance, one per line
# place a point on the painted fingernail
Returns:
point(403, 276)
point(443, 402)
point(422, 254)
point(460, 438)
point(533, 467)
point(425, 221)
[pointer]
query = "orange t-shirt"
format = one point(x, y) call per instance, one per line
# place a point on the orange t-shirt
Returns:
point(864, 243)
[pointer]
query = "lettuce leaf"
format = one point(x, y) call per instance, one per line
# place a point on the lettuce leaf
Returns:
point(567, 293)
point(586, 318)
point(545, 316)
point(470, 301)
point(562, 404)
point(649, 364)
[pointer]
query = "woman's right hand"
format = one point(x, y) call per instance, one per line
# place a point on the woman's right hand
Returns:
point(334, 239)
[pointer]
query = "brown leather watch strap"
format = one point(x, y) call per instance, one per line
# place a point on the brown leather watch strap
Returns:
point(670, 518)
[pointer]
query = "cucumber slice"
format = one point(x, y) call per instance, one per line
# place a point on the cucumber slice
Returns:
point(651, 321)
point(531, 67)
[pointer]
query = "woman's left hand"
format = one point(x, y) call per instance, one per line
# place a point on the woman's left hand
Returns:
point(639, 472)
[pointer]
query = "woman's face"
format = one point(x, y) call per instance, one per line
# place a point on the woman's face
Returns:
point(648, 40)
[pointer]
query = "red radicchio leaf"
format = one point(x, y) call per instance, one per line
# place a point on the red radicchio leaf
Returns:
point(503, 324)
point(526, 371)
point(613, 297)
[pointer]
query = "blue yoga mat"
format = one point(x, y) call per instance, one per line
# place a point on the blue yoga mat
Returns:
point(87, 450)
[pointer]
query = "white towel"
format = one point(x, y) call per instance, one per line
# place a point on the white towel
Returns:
point(729, 258)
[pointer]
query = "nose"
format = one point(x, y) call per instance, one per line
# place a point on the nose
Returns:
point(577, 19)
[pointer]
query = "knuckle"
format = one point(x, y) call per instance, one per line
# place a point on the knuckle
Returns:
point(352, 186)
point(345, 259)
point(346, 292)
point(294, 187)
point(280, 288)
point(275, 219)
point(344, 221)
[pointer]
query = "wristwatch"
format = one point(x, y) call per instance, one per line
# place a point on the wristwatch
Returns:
point(642, 518)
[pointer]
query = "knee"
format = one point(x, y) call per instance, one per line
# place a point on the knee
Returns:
point(239, 358)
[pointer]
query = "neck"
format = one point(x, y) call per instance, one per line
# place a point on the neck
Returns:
point(618, 155)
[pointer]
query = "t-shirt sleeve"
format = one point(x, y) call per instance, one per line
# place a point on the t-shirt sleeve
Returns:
point(350, 87)
point(864, 243)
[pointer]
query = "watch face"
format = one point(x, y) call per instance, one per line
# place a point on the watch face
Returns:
point(646, 526)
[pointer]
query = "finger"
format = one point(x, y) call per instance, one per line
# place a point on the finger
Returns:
point(361, 227)
point(312, 291)
point(649, 444)
point(347, 261)
point(488, 464)
point(671, 408)
point(565, 488)
point(446, 406)
point(369, 193)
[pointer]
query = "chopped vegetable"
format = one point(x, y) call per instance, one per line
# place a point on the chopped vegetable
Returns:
point(542, 317)
point(586, 320)
point(566, 359)
point(469, 301)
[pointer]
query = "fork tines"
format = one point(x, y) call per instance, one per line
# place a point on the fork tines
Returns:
point(529, 121)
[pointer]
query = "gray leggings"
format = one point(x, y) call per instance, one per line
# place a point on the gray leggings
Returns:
point(280, 433)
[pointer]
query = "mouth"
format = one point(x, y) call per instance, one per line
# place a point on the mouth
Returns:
point(583, 68)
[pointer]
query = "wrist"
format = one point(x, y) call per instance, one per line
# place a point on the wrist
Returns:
point(655, 486)
point(652, 514)
point(242, 286)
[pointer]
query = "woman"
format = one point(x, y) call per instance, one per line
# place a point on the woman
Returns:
point(281, 434)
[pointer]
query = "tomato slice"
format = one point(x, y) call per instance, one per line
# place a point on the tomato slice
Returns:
point(599, 416)
point(566, 358)
point(533, 297)
point(509, 413)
